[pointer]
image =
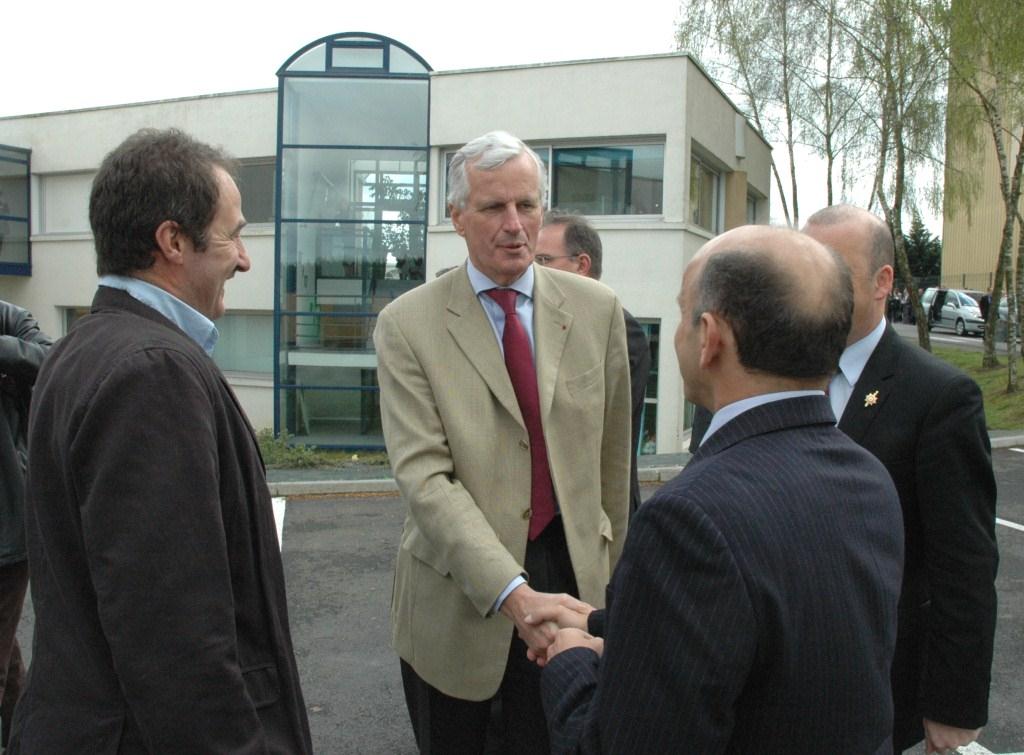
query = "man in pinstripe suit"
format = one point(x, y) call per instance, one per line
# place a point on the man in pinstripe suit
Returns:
point(754, 606)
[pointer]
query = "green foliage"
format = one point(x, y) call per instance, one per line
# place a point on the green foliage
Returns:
point(277, 452)
point(908, 74)
point(281, 453)
point(986, 101)
point(924, 251)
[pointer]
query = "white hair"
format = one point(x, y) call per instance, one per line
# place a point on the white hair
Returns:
point(487, 152)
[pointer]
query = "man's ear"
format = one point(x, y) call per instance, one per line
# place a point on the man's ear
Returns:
point(456, 214)
point(710, 339)
point(170, 242)
point(883, 281)
point(584, 262)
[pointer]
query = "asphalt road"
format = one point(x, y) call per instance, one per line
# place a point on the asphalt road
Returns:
point(338, 555)
point(948, 339)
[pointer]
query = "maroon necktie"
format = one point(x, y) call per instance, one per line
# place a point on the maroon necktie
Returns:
point(519, 363)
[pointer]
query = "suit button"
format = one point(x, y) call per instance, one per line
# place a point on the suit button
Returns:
point(526, 514)
point(523, 443)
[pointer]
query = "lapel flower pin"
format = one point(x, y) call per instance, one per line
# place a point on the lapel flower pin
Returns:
point(871, 399)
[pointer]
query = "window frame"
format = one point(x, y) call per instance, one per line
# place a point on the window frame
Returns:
point(549, 148)
point(19, 156)
point(261, 161)
point(717, 194)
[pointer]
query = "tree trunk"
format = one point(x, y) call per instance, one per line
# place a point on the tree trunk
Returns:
point(1012, 319)
point(892, 127)
point(787, 106)
point(989, 357)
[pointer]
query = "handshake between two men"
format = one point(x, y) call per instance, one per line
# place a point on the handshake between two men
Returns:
point(550, 623)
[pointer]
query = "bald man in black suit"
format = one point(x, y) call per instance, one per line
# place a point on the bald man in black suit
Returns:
point(924, 420)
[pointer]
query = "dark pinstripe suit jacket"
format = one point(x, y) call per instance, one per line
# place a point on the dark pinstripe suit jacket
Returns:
point(754, 607)
point(926, 423)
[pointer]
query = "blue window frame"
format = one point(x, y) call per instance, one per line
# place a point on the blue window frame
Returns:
point(15, 211)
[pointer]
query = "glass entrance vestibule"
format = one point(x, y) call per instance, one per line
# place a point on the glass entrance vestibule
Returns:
point(351, 227)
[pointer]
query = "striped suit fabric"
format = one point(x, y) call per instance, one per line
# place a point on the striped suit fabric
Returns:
point(754, 607)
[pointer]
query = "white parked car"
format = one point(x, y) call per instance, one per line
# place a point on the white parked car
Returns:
point(959, 310)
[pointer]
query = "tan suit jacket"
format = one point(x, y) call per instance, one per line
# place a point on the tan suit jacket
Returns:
point(460, 454)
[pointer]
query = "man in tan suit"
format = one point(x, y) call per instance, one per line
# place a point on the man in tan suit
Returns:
point(476, 463)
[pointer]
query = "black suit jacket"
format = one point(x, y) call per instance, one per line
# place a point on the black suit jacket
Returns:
point(161, 620)
point(925, 421)
point(754, 607)
point(639, 369)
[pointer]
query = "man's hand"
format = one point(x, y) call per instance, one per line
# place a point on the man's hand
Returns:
point(555, 616)
point(564, 616)
point(942, 738)
point(574, 638)
point(524, 601)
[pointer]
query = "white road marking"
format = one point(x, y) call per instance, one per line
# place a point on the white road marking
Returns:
point(1018, 450)
point(976, 749)
point(279, 506)
point(968, 343)
point(949, 339)
point(1011, 525)
point(973, 749)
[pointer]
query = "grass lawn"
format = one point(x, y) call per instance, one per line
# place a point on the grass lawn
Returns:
point(1003, 411)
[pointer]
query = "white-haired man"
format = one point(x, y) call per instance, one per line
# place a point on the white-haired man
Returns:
point(505, 402)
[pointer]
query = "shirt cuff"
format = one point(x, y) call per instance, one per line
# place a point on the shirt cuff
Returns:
point(516, 581)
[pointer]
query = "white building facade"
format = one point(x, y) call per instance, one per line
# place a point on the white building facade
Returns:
point(648, 148)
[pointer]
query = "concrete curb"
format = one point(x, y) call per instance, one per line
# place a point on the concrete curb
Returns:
point(646, 475)
point(386, 485)
point(332, 487)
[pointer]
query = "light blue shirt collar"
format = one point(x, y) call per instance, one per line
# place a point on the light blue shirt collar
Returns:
point(731, 411)
point(855, 356)
point(481, 283)
point(196, 325)
point(524, 301)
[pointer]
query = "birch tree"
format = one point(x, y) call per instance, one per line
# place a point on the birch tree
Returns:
point(987, 107)
point(754, 49)
point(907, 75)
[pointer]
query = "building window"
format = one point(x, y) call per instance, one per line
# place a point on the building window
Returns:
point(73, 315)
point(649, 420)
point(256, 185)
point(705, 187)
point(613, 180)
point(751, 209)
point(64, 202)
point(15, 249)
point(245, 343)
point(599, 180)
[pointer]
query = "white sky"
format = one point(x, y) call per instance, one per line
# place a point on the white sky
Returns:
point(64, 54)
